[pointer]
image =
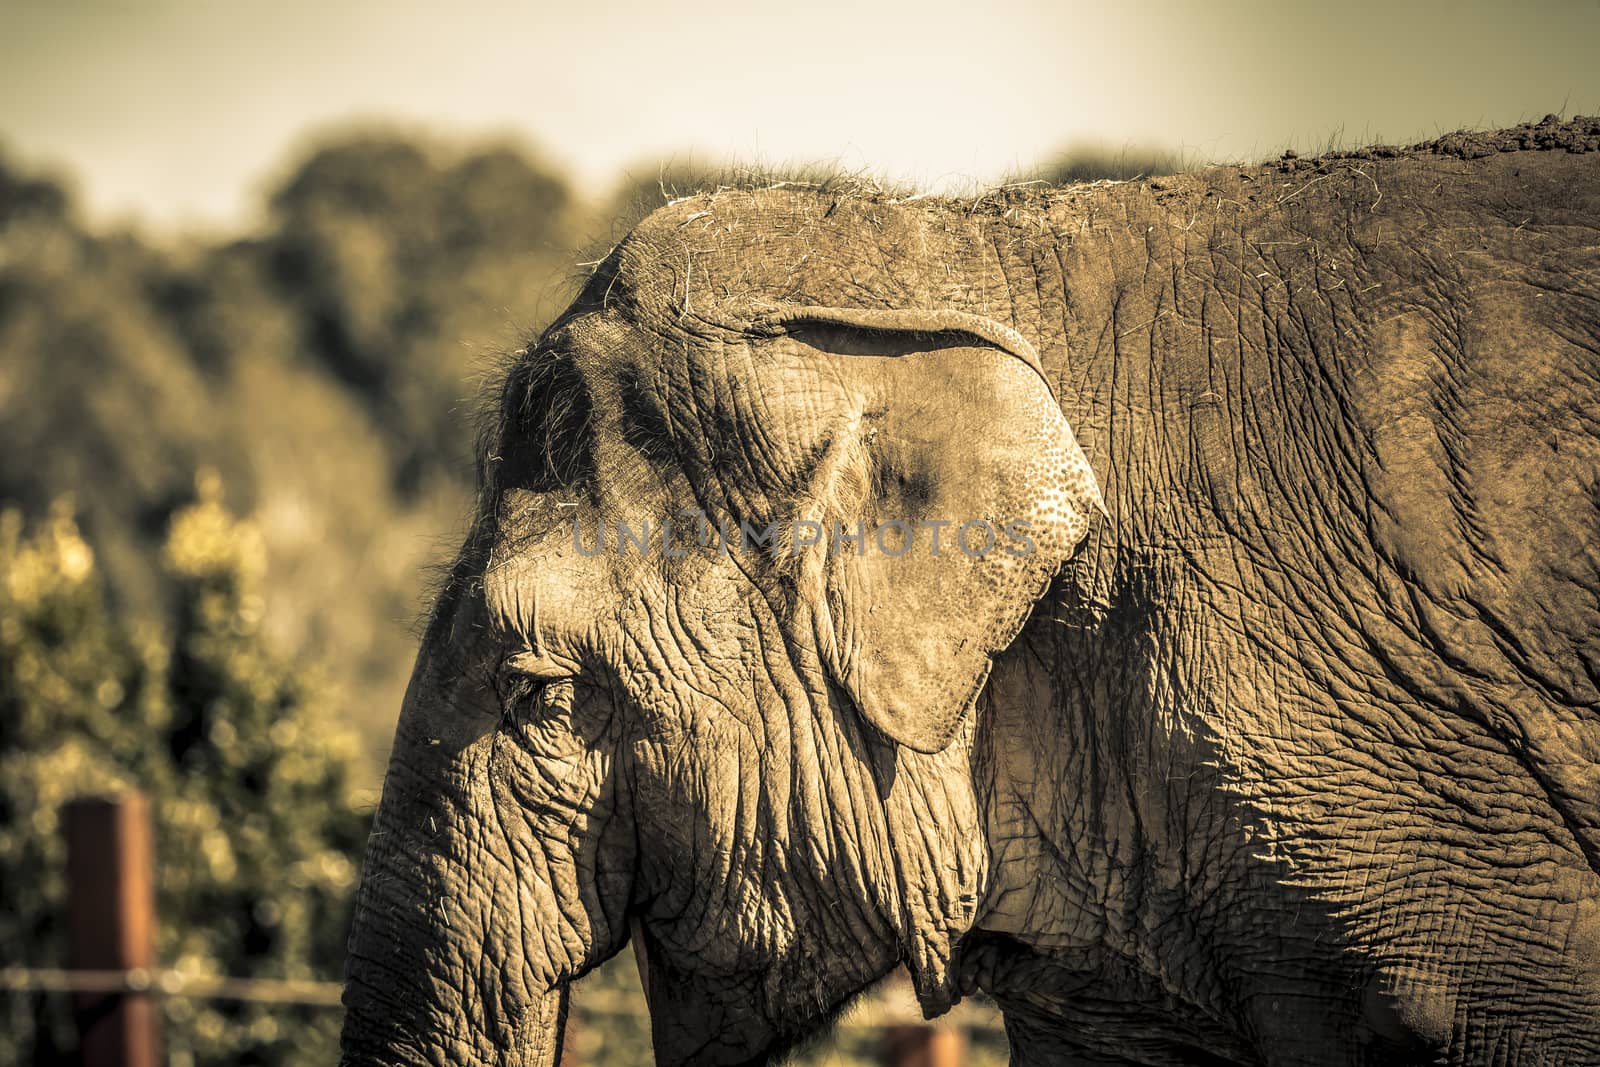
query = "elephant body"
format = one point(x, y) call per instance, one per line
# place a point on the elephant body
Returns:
point(1283, 747)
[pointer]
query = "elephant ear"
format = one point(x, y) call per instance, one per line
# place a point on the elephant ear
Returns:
point(951, 489)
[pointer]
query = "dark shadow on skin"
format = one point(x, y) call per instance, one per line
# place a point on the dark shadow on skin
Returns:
point(789, 1042)
point(1265, 948)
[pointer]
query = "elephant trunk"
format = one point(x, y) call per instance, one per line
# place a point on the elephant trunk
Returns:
point(438, 971)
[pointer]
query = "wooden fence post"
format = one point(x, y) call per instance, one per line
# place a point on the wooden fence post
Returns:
point(111, 925)
point(921, 1045)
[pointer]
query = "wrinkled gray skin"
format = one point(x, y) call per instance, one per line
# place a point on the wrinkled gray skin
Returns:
point(1294, 760)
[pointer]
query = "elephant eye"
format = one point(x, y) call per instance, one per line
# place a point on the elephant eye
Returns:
point(529, 687)
point(539, 717)
point(513, 690)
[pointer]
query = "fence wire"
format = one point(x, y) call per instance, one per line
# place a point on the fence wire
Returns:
point(165, 982)
point(169, 983)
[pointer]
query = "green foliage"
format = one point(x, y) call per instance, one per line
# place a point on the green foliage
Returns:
point(613, 1018)
point(97, 395)
point(250, 781)
point(327, 365)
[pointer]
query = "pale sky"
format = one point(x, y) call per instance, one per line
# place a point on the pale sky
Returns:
point(181, 112)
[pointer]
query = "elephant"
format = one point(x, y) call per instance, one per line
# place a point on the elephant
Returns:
point(1248, 711)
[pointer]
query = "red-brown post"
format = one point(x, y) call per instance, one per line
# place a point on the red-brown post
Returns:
point(111, 925)
point(920, 1045)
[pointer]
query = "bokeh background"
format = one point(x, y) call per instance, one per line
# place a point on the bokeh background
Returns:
point(258, 263)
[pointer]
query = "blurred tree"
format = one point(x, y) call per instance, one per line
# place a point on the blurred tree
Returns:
point(324, 365)
point(411, 265)
point(258, 831)
point(97, 394)
point(25, 197)
point(1096, 162)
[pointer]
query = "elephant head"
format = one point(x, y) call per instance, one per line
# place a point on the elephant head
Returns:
point(705, 669)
